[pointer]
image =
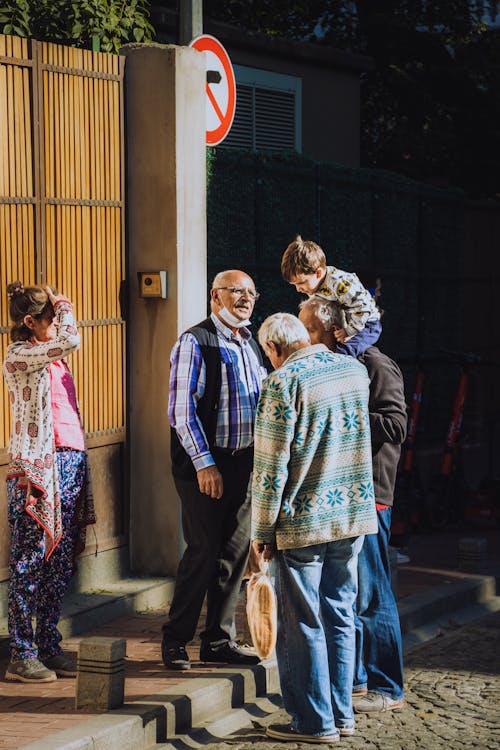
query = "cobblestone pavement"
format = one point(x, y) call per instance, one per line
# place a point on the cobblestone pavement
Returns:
point(452, 700)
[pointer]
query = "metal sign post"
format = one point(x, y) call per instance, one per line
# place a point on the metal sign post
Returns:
point(190, 20)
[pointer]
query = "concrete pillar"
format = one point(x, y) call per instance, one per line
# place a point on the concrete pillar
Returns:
point(100, 680)
point(472, 553)
point(166, 230)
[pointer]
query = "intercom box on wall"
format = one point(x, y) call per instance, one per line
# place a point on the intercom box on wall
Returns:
point(153, 284)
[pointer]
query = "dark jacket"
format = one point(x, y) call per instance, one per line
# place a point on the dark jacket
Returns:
point(388, 420)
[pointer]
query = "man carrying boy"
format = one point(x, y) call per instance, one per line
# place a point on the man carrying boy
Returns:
point(304, 265)
point(378, 678)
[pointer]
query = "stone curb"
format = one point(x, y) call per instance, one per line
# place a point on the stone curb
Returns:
point(425, 606)
point(158, 718)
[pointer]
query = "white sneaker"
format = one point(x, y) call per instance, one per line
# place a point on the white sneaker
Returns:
point(402, 558)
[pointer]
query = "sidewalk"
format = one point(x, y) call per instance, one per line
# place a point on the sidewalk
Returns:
point(429, 586)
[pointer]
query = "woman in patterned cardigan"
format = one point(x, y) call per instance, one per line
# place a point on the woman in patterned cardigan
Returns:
point(48, 489)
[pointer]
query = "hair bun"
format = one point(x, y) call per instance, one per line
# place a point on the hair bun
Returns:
point(15, 288)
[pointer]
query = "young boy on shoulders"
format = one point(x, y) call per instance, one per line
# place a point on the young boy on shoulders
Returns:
point(304, 265)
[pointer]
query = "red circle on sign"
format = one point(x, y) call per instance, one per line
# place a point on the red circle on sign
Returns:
point(207, 43)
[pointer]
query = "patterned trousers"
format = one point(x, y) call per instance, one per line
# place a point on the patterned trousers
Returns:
point(37, 586)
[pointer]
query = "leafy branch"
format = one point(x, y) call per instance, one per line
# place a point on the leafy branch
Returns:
point(112, 22)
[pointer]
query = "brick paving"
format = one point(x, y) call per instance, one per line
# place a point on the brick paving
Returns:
point(29, 712)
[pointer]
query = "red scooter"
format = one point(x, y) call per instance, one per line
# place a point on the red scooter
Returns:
point(446, 496)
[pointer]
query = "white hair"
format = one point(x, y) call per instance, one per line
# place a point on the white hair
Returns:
point(329, 313)
point(283, 329)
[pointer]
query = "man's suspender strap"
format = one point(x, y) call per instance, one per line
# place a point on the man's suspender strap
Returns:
point(206, 335)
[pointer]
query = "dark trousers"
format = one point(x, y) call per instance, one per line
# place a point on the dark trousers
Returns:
point(217, 535)
point(360, 342)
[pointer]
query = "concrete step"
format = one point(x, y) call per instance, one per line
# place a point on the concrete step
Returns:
point(85, 610)
point(224, 724)
point(446, 623)
point(460, 591)
point(175, 711)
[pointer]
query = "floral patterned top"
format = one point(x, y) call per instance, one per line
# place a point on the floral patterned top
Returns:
point(32, 444)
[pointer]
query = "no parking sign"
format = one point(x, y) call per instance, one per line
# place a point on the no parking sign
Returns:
point(220, 87)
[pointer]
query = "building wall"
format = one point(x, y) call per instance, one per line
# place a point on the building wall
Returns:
point(330, 83)
point(330, 101)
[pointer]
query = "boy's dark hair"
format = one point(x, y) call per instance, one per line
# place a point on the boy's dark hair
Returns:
point(301, 257)
point(32, 300)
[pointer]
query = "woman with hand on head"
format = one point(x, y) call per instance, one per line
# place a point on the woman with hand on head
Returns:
point(48, 487)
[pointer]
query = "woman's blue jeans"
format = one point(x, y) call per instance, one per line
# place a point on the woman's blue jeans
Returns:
point(316, 589)
point(379, 659)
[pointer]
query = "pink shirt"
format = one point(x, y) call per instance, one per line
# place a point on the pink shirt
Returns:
point(68, 431)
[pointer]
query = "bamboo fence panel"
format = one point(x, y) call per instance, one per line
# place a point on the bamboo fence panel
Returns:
point(17, 202)
point(61, 207)
point(89, 258)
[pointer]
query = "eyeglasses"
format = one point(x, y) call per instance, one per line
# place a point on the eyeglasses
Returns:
point(240, 291)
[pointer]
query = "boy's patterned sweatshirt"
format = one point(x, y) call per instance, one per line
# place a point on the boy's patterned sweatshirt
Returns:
point(357, 302)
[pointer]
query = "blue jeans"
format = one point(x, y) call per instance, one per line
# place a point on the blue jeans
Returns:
point(360, 342)
point(379, 657)
point(316, 590)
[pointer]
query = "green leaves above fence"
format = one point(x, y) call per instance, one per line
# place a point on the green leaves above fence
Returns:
point(111, 22)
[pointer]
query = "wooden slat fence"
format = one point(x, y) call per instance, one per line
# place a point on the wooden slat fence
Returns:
point(62, 208)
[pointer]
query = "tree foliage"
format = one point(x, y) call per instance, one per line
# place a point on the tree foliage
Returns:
point(112, 22)
point(431, 106)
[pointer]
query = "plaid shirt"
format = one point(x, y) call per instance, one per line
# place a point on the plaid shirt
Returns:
point(241, 378)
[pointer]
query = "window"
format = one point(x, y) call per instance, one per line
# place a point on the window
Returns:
point(268, 111)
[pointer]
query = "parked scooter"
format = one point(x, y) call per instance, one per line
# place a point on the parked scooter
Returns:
point(448, 494)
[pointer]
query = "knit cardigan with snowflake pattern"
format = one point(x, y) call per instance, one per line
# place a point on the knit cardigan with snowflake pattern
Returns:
point(312, 479)
point(32, 446)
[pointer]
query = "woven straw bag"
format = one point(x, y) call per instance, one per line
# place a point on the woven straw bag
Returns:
point(262, 612)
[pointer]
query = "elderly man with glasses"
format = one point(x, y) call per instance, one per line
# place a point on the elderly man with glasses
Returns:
point(378, 677)
point(215, 381)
